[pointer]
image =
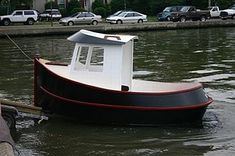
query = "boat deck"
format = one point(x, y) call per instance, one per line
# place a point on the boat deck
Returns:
point(137, 85)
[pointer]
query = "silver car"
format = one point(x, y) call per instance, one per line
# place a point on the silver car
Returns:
point(127, 17)
point(81, 18)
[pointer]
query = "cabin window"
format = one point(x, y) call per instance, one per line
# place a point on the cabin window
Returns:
point(97, 59)
point(83, 55)
point(97, 56)
point(89, 58)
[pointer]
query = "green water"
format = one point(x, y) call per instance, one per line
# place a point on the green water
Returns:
point(203, 55)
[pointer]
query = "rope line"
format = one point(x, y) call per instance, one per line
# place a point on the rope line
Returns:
point(18, 47)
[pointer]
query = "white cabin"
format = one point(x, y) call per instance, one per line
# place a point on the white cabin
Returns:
point(102, 60)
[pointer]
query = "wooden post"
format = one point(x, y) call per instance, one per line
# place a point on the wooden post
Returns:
point(22, 107)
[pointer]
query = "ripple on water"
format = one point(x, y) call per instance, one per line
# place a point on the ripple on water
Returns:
point(212, 78)
point(205, 71)
point(222, 95)
point(218, 65)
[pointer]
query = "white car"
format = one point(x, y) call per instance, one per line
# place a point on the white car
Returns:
point(127, 17)
point(81, 18)
point(20, 16)
point(228, 13)
point(214, 11)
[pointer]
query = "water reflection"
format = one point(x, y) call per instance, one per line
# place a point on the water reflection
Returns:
point(204, 55)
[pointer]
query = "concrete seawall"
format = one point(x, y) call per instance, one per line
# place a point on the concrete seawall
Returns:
point(35, 30)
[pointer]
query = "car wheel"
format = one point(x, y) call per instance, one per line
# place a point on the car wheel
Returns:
point(70, 23)
point(168, 18)
point(94, 22)
point(203, 18)
point(140, 21)
point(119, 22)
point(30, 21)
point(182, 19)
point(6, 22)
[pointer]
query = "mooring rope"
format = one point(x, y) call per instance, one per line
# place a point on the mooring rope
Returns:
point(18, 47)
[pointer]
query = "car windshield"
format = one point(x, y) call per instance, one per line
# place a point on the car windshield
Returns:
point(167, 9)
point(74, 15)
point(184, 9)
point(122, 14)
point(117, 13)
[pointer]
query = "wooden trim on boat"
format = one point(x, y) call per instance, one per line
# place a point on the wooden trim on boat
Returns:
point(56, 63)
point(121, 92)
point(112, 36)
point(121, 107)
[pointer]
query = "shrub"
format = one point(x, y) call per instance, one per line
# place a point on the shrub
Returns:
point(73, 4)
point(75, 10)
point(97, 4)
point(63, 12)
point(100, 11)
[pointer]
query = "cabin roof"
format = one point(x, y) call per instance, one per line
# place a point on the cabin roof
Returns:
point(89, 37)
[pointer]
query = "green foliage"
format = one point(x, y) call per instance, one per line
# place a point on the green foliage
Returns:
point(97, 4)
point(100, 8)
point(75, 10)
point(63, 12)
point(4, 7)
point(152, 7)
point(73, 5)
point(223, 4)
point(149, 7)
point(52, 5)
point(100, 11)
point(116, 5)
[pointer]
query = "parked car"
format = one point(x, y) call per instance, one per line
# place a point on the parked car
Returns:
point(165, 15)
point(190, 13)
point(50, 13)
point(214, 11)
point(20, 16)
point(228, 13)
point(81, 18)
point(127, 17)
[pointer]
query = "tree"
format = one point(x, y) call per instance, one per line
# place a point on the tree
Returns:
point(100, 8)
point(54, 5)
point(73, 5)
point(97, 4)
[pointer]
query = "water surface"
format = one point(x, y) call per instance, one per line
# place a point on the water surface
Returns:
point(203, 55)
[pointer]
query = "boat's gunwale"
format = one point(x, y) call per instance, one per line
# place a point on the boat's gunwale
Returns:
point(118, 91)
point(124, 107)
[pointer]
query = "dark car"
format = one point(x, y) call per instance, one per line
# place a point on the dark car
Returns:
point(50, 13)
point(165, 15)
point(190, 13)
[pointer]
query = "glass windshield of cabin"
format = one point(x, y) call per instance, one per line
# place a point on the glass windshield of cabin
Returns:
point(83, 55)
point(97, 58)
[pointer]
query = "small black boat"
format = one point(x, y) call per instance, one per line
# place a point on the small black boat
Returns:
point(98, 86)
